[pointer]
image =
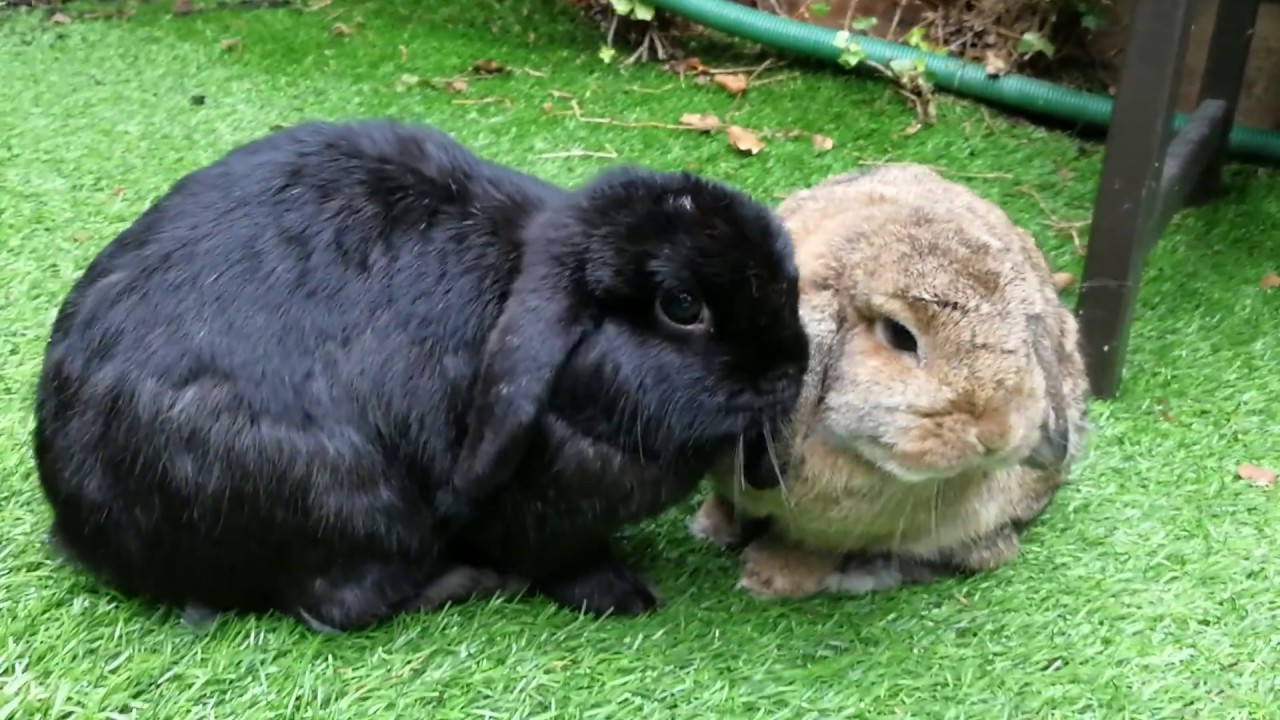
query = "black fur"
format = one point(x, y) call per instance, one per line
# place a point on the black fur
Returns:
point(345, 360)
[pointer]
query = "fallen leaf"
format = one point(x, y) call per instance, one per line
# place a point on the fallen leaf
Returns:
point(1063, 280)
point(705, 123)
point(548, 107)
point(342, 30)
point(231, 43)
point(486, 66)
point(995, 65)
point(80, 236)
point(118, 191)
point(404, 54)
point(744, 140)
point(1065, 173)
point(456, 86)
point(1270, 281)
point(60, 18)
point(1259, 476)
point(183, 7)
point(406, 81)
point(317, 4)
point(822, 143)
point(735, 83)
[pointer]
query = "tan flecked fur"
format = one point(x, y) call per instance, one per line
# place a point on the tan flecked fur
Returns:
point(887, 446)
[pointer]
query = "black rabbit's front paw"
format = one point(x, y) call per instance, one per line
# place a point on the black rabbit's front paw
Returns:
point(611, 589)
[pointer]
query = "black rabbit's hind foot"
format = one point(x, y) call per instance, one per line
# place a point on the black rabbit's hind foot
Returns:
point(58, 548)
point(612, 589)
point(358, 598)
point(199, 618)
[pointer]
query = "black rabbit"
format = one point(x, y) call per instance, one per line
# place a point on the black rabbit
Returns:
point(351, 369)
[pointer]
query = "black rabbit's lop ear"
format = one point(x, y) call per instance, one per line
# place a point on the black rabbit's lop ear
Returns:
point(537, 330)
point(1055, 429)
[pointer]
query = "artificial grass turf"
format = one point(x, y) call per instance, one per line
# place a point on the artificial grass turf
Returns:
point(1149, 588)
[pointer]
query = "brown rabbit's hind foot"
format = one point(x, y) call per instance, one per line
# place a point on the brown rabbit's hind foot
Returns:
point(862, 574)
point(773, 569)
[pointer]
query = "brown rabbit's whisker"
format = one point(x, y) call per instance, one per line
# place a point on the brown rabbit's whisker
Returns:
point(902, 522)
point(935, 506)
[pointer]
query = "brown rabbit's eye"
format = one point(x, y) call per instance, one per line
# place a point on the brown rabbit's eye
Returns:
point(681, 308)
point(896, 335)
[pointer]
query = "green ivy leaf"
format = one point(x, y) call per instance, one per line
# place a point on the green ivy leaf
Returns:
point(903, 66)
point(863, 24)
point(623, 7)
point(851, 55)
point(1033, 42)
point(607, 54)
point(643, 11)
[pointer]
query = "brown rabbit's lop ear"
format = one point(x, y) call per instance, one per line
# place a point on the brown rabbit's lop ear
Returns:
point(538, 329)
point(1051, 452)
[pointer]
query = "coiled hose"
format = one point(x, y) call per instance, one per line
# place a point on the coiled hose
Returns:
point(948, 73)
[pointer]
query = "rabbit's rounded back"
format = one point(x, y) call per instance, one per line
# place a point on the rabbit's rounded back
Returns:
point(939, 345)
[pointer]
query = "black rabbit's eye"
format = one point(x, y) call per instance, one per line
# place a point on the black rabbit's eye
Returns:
point(681, 308)
point(896, 335)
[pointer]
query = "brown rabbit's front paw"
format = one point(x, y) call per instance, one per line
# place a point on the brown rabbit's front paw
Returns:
point(715, 523)
point(772, 569)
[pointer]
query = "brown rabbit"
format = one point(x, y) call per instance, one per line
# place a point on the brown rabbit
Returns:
point(944, 401)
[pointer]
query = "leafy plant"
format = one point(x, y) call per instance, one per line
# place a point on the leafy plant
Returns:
point(637, 9)
point(1033, 42)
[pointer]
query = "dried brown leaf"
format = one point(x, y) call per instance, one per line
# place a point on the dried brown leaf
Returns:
point(81, 236)
point(734, 83)
point(342, 30)
point(822, 143)
point(548, 107)
point(485, 66)
point(995, 65)
point(706, 123)
point(231, 43)
point(1063, 280)
point(183, 7)
point(744, 140)
point(687, 65)
point(1270, 281)
point(1255, 475)
point(60, 18)
point(1066, 173)
point(404, 54)
point(456, 86)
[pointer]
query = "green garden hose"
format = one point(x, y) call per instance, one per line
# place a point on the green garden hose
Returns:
point(948, 73)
